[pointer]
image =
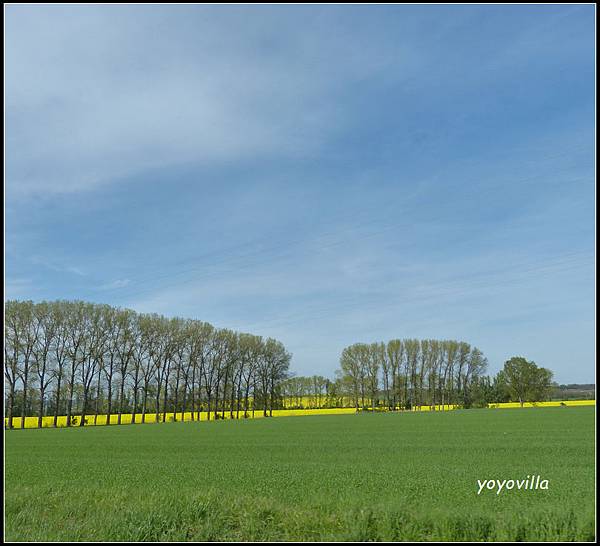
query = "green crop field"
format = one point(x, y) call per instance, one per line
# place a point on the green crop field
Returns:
point(355, 477)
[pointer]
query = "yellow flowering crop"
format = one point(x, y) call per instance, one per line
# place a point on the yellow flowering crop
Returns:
point(126, 418)
point(553, 404)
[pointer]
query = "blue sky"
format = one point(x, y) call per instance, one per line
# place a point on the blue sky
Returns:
point(320, 174)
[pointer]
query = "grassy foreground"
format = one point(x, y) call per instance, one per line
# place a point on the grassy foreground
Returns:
point(410, 476)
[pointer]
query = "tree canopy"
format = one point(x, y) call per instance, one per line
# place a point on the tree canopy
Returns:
point(77, 358)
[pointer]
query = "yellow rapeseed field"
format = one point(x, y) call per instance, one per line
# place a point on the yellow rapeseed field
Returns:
point(554, 404)
point(126, 418)
point(48, 422)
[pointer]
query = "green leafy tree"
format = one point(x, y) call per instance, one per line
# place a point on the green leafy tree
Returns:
point(525, 381)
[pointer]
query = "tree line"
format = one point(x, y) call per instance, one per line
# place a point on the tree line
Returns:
point(83, 359)
point(411, 373)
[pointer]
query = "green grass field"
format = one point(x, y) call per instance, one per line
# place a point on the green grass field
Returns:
point(351, 477)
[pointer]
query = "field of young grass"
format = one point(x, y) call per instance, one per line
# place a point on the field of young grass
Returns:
point(332, 477)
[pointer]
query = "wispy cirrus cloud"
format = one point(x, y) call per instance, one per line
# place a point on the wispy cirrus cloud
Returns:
point(103, 93)
point(118, 283)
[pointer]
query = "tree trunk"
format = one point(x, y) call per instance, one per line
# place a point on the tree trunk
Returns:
point(217, 403)
point(144, 400)
point(165, 399)
point(70, 402)
point(121, 397)
point(271, 395)
point(109, 399)
point(24, 409)
point(97, 407)
point(11, 405)
point(85, 399)
point(246, 400)
point(41, 411)
point(193, 393)
point(231, 402)
point(135, 399)
point(56, 408)
point(225, 392)
point(184, 401)
point(176, 397)
point(158, 391)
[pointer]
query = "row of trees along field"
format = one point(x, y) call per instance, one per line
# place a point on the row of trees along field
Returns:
point(77, 358)
point(411, 373)
point(405, 374)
